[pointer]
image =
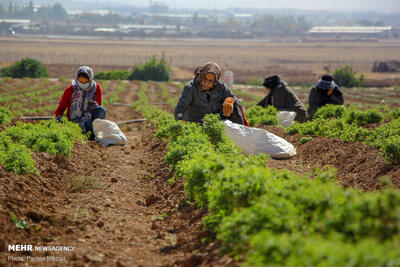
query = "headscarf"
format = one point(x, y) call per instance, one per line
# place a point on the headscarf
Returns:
point(272, 82)
point(197, 70)
point(80, 98)
point(210, 67)
point(326, 82)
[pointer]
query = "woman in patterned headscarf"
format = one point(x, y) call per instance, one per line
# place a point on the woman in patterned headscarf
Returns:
point(205, 94)
point(82, 100)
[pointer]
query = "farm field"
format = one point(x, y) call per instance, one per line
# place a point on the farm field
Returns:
point(139, 205)
point(297, 62)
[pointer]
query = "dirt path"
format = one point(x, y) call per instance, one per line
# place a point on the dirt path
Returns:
point(128, 215)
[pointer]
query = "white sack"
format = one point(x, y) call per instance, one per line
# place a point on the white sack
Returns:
point(286, 118)
point(108, 133)
point(256, 141)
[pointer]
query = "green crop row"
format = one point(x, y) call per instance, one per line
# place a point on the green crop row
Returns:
point(252, 99)
point(339, 122)
point(114, 96)
point(171, 101)
point(18, 142)
point(262, 116)
point(12, 93)
point(43, 110)
point(104, 85)
point(5, 115)
point(350, 115)
point(27, 97)
point(272, 217)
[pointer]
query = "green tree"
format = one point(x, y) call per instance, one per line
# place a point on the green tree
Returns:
point(58, 11)
point(153, 69)
point(10, 9)
point(347, 77)
point(27, 67)
point(30, 10)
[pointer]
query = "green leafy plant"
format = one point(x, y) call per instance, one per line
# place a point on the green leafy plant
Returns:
point(153, 69)
point(391, 149)
point(385, 181)
point(5, 115)
point(27, 67)
point(363, 117)
point(304, 140)
point(329, 111)
point(346, 77)
point(214, 129)
point(113, 75)
point(262, 116)
point(17, 143)
point(20, 224)
point(297, 249)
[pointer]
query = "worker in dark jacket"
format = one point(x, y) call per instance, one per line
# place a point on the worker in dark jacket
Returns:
point(324, 92)
point(282, 97)
point(205, 94)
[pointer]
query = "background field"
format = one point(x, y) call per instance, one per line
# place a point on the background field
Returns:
point(297, 62)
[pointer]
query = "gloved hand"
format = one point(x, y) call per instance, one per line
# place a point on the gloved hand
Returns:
point(329, 92)
point(92, 105)
point(227, 106)
point(58, 119)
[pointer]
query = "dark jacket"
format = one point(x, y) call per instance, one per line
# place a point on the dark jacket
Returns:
point(284, 99)
point(194, 103)
point(318, 97)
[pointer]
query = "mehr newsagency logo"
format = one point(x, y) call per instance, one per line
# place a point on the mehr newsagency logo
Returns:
point(32, 248)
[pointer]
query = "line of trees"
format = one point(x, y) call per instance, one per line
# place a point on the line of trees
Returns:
point(56, 11)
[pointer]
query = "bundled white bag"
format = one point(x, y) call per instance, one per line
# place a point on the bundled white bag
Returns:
point(256, 141)
point(286, 118)
point(108, 133)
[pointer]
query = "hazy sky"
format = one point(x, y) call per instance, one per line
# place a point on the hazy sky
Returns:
point(337, 5)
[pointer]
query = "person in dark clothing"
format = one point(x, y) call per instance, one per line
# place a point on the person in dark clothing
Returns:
point(324, 92)
point(205, 94)
point(283, 98)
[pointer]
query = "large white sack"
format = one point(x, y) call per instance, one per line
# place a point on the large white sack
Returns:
point(286, 118)
point(256, 141)
point(108, 133)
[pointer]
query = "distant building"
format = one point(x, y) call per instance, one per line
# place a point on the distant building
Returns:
point(8, 26)
point(350, 31)
point(395, 32)
point(243, 16)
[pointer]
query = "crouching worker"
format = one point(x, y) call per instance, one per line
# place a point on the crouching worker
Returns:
point(82, 100)
point(324, 92)
point(205, 94)
point(282, 98)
